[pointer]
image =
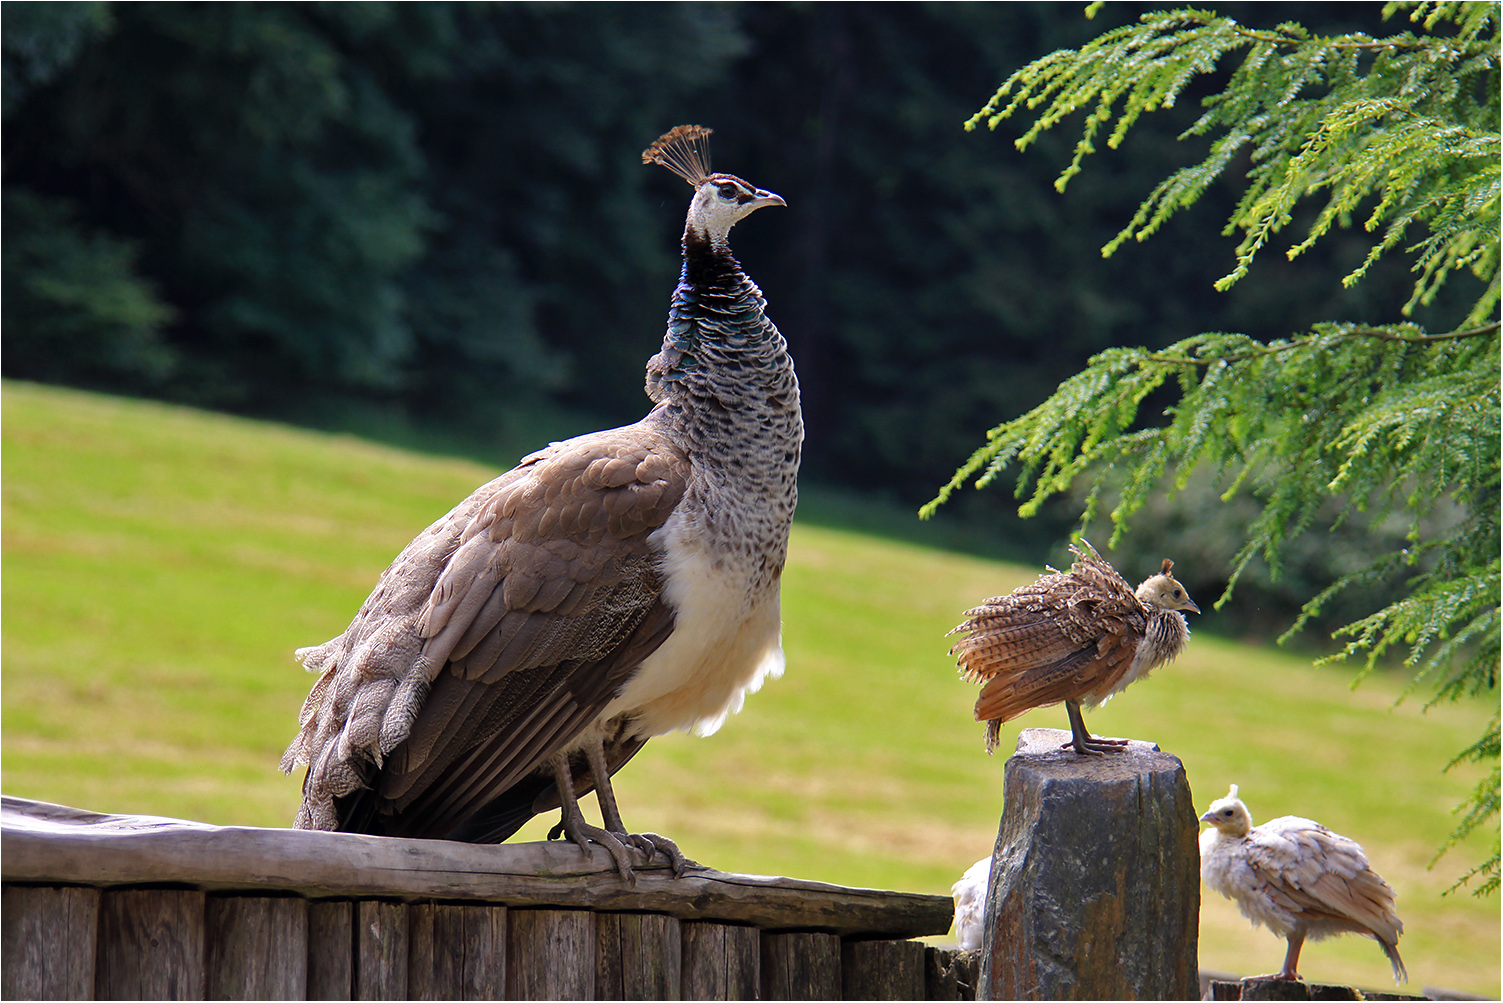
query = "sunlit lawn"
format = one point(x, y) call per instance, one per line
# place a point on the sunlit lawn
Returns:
point(160, 565)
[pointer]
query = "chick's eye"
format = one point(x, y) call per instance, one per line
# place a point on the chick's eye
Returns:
point(1177, 593)
point(1227, 812)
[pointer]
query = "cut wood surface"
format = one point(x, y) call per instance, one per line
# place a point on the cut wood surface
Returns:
point(44, 843)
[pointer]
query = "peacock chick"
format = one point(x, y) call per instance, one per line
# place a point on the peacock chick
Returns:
point(1299, 879)
point(1078, 637)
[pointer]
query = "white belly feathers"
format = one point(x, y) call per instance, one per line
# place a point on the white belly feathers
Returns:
point(726, 641)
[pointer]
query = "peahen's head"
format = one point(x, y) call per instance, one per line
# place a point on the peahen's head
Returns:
point(720, 200)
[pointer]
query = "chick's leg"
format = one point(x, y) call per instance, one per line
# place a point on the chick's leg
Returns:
point(1081, 739)
point(1291, 959)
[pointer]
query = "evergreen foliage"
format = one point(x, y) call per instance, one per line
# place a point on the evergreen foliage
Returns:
point(1401, 134)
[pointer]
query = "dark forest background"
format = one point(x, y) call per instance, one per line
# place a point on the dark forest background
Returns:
point(429, 223)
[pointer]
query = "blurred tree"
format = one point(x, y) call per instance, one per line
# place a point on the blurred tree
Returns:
point(1401, 132)
point(429, 222)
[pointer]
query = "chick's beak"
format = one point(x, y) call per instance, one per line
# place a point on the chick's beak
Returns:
point(1190, 605)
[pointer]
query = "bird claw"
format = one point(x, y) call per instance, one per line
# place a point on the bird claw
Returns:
point(1096, 746)
point(583, 834)
point(651, 843)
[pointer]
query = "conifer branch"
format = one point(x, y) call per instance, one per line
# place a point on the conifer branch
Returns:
point(1402, 133)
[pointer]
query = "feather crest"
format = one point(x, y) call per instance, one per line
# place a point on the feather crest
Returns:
point(684, 150)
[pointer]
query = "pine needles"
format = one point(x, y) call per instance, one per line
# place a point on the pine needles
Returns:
point(1398, 135)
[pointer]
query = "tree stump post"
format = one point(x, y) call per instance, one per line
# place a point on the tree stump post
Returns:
point(1095, 887)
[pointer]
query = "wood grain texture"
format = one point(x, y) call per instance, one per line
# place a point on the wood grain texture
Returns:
point(50, 844)
point(381, 950)
point(48, 939)
point(882, 970)
point(800, 966)
point(458, 952)
point(550, 954)
point(1096, 877)
point(638, 956)
point(950, 975)
point(720, 961)
point(257, 947)
point(331, 950)
point(151, 945)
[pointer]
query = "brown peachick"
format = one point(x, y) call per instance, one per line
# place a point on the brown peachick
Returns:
point(1078, 637)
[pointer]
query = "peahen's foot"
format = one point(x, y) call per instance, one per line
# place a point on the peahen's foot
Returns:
point(651, 843)
point(582, 834)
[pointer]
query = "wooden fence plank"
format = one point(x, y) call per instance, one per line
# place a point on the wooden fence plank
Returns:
point(458, 952)
point(258, 947)
point(331, 950)
point(882, 970)
point(951, 975)
point(638, 956)
point(51, 844)
point(721, 961)
point(49, 940)
point(800, 966)
point(381, 950)
point(550, 954)
point(151, 945)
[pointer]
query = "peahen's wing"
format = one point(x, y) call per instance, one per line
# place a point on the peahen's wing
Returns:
point(493, 640)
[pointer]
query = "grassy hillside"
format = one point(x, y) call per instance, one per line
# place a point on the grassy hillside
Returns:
point(161, 564)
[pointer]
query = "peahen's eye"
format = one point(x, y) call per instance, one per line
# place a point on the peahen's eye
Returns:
point(727, 191)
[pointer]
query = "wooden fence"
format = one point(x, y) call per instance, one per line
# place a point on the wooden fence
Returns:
point(131, 907)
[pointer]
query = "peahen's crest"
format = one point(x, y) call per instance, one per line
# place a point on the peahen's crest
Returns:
point(684, 150)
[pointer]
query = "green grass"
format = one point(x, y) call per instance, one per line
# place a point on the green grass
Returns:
point(161, 564)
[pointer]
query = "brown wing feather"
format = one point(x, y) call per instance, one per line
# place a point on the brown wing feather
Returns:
point(495, 637)
point(1066, 636)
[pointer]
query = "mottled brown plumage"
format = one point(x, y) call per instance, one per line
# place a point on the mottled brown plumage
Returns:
point(613, 587)
point(1078, 637)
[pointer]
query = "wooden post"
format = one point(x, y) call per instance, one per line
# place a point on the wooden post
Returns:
point(1095, 889)
point(882, 970)
point(800, 966)
point(380, 950)
point(458, 952)
point(721, 961)
point(258, 947)
point(638, 956)
point(331, 950)
point(550, 954)
point(49, 942)
point(151, 945)
point(950, 975)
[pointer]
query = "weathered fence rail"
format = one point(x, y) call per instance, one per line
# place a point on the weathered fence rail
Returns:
point(131, 907)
